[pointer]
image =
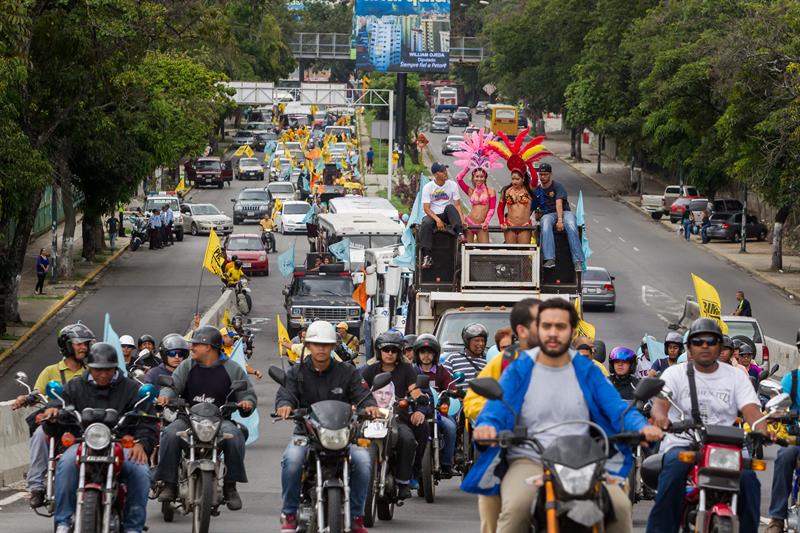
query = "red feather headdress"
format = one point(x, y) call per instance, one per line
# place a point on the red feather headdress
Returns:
point(519, 157)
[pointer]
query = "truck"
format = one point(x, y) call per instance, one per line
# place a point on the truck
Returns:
point(445, 99)
point(155, 200)
point(429, 87)
point(389, 287)
point(658, 204)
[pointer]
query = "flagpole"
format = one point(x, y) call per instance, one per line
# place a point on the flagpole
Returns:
point(199, 287)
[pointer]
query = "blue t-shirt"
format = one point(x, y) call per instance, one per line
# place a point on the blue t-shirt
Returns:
point(546, 198)
point(41, 264)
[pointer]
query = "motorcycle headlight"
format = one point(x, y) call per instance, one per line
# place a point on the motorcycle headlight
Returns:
point(297, 312)
point(97, 436)
point(205, 429)
point(576, 481)
point(724, 459)
point(334, 439)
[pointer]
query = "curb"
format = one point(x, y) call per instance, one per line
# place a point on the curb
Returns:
point(59, 305)
point(636, 208)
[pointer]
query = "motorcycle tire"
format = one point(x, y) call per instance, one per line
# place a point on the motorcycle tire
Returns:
point(179, 236)
point(167, 511)
point(135, 244)
point(249, 301)
point(334, 510)
point(371, 506)
point(428, 482)
point(204, 499)
point(91, 518)
point(242, 304)
point(721, 524)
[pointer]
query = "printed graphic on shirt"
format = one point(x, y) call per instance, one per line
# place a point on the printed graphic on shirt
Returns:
point(439, 194)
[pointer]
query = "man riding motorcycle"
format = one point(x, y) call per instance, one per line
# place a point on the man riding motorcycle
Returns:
point(174, 348)
point(472, 360)
point(722, 392)
point(673, 347)
point(529, 385)
point(104, 387)
point(316, 378)
point(73, 341)
point(205, 377)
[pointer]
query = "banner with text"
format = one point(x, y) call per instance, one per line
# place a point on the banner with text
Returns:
point(402, 35)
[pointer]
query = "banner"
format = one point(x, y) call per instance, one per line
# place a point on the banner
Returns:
point(708, 299)
point(408, 259)
point(214, 257)
point(402, 35)
point(360, 295)
point(110, 336)
point(252, 421)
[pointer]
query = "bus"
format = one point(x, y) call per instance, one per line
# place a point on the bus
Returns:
point(503, 118)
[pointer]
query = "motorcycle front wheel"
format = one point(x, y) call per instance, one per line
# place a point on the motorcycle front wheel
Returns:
point(167, 511)
point(334, 510)
point(371, 507)
point(135, 244)
point(204, 499)
point(91, 518)
point(428, 483)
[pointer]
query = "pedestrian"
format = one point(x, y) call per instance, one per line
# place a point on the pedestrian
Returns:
point(370, 159)
point(121, 229)
point(112, 224)
point(687, 221)
point(168, 218)
point(155, 230)
point(743, 309)
point(42, 268)
point(704, 224)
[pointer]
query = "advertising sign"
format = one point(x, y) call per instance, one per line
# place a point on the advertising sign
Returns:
point(402, 35)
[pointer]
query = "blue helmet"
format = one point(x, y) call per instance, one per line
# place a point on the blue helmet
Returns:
point(621, 353)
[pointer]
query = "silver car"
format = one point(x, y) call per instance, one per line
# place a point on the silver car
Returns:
point(202, 218)
point(598, 288)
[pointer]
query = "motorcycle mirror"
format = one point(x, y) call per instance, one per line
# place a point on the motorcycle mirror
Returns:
point(774, 369)
point(769, 388)
point(22, 376)
point(381, 380)
point(459, 377)
point(665, 393)
point(233, 200)
point(780, 402)
point(423, 382)
point(239, 385)
point(489, 388)
point(148, 393)
point(277, 375)
point(599, 351)
point(54, 390)
point(648, 388)
point(166, 381)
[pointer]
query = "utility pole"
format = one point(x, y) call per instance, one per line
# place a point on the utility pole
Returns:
point(402, 79)
point(743, 237)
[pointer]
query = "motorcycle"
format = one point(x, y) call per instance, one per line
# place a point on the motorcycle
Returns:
point(243, 299)
point(139, 232)
point(331, 427)
point(382, 492)
point(268, 240)
point(570, 495)
point(101, 495)
point(710, 503)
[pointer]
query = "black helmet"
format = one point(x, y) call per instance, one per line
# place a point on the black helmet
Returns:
point(234, 257)
point(736, 344)
point(727, 342)
point(172, 343)
point(389, 339)
point(471, 331)
point(427, 341)
point(207, 335)
point(102, 355)
point(408, 341)
point(746, 349)
point(145, 338)
point(704, 325)
point(238, 263)
point(73, 333)
point(237, 321)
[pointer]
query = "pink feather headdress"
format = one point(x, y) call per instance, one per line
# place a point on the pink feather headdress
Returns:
point(475, 152)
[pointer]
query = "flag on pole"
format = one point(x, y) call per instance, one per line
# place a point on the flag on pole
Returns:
point(580, 219)
point(341, 250)
point(226, 318)
point(110, 336)
point(710, 304)
point(283, 336)
point(360, 294)
point(584, 328)
point(214, 258)
point(251, 422)
point(309, 218)
point(408, 259)
point(286, 262)
point(181, 186)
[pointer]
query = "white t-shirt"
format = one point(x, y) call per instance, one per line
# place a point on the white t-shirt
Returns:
point(643, 366)
point(440, 196)
point(720, 396)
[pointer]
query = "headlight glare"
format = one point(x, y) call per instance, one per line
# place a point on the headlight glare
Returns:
point(334, 439)
point(576, 481)
point(205, 429)
point(97, 436)
point(724, 459)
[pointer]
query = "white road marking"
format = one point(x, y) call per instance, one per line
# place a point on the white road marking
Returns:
point(596, 221)
point(11, 499)
point(608, 229)
point(635, 249)
point(620, 238)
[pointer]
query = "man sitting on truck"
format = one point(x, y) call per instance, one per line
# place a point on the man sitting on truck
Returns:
point(552, 209)
point(442, 205)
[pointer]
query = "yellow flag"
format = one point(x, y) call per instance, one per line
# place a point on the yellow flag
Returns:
point(226, 318)
point(214, 258)
point(276, 208)
point(585, 329)
point(181, 186)
point(283, 335)
point(708, 299)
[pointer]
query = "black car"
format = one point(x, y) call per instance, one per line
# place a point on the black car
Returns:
point(251, 204)
point(466, 110)
point(728, 226)
point(321, 295)
point(262, 138)
point(459, 118)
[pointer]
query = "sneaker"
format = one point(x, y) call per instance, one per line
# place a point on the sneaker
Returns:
point(231, 495)
point(579, 267)
point(403, 491)
point(775, 526)
point(37, 498)
point(550, 263)
point(288, 523)
point(63, 528)
point(446, 471)
point(168, 492)
point(427, 262)
point(357, 525)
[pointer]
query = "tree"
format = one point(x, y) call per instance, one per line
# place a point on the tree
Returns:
point(327, 17)
point(417, 112)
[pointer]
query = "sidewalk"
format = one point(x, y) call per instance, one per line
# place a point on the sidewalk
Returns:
point(615, 179)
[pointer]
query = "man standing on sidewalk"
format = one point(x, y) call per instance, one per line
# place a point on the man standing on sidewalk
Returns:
point(112, 225)
point(743, 309)
point(370, 159)
point(42, 268)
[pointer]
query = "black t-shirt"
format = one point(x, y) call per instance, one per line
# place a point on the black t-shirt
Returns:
point(546, 198)
point(745, 308)
point(207, 384)
point(403, 376)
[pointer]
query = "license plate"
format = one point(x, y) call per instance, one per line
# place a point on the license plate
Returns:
point(96, 459)
point(591, 290)
point(247, 265)
point(375, 430)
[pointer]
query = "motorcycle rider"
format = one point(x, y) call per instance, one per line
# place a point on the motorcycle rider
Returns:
point(316, 378)
point(472, 360)
point(267, 235)
point(146, 342)
point(644, 364)
point(426, 361)
point(408, 347)
point(103, 386)
point(529, 385)
point(726, 352)
point(235, 274)
point(621, 361)
point(412, 430)
point(673, 347)
point(584, 345)
point(174, 348)
point(73, 341)
point(746, 353)
point(722, 392)
point(205, 377)
point(128, 348)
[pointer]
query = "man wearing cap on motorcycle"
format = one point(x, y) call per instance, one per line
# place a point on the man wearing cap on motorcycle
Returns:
point(205, 377)
point(722, 392)
point(529, 386)
point(128, 348)
point(348, 339)
point(316, 378)
point(174, 348)
point(74, 341)
point(104, 387)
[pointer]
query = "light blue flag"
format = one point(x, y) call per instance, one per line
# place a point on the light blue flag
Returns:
point(408, 259)
point(341, 250)
point(580, 218)
point(306, 185)
point(309, 218)
point(251, 422)
point(655, 349)
point(110, 336)
point(270, 147)
point(286, 262)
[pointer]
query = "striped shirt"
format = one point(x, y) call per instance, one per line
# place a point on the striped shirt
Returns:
point(469, 366)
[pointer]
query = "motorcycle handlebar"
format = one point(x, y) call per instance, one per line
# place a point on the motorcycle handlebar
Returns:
point(680, 427)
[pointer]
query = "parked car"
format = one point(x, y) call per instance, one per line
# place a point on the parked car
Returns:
point(466, 110)
point(291, 218)
point(451, 144)
point(249, 168)
point(598, 288)
point(673, 192)
point(653, 204)
point(728, 226)
point(482, 107)
point(745, 326)
point(726, 205)
point(459, 118)
point(202, 218)
point(251, 204)
point(682, 204)
point(441, 124)
point(249, 249)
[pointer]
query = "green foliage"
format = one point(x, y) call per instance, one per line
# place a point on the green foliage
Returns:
point(417, 113)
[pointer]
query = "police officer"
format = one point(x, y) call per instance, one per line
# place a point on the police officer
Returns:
point(155, 230)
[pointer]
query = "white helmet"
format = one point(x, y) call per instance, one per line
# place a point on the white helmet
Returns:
point(321, 332)
point(127, 340)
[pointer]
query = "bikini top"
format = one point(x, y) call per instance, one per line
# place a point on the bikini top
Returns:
point(480, 195)
point(511, 199)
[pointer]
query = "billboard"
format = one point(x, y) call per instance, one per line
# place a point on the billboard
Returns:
point(402, 35)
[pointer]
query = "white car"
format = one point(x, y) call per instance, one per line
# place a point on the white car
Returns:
point(249, 168)
point(291, 218)
point(282, 189)
point(202, 218)
point(748, 327)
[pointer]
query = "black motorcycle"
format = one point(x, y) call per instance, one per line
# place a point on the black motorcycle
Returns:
point(139, 232)
point(331, 427)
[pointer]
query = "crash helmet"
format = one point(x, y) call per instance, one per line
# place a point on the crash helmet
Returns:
point(102, 355)
point(746, 349)
point(389, 339)
point(73, 334)
point(145, 338)
point(237, 322)
point(127, 340)
point(234, 258)
point(704, 326)
point(409, 341)
point(727, 342)
point(237, 264)
point(673, 337)
point(621, 353)
point(174, 344)
point(207, 335)
point(430, 342)
point(473, 330)
point(321, 332)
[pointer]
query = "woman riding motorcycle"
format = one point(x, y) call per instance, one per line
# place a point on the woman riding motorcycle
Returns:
point(622, 362)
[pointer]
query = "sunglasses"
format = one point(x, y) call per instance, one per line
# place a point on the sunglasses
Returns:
point(700, 341)
point(177, 353)
point(390, 350)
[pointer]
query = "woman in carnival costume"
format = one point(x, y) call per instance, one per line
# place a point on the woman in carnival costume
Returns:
point(476, 156)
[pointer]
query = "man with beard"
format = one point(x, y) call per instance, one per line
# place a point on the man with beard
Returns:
point(546, 386)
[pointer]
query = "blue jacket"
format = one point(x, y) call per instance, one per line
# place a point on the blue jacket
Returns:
point(605, 409)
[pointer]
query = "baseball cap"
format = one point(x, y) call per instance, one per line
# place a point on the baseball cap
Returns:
point(545, 167)
point(342, 325)
point(437, 167)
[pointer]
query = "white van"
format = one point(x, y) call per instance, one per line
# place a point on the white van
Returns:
point(360, 205)
point(364, 231)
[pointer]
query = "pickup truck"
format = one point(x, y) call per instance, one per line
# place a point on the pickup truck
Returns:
point(659, 205)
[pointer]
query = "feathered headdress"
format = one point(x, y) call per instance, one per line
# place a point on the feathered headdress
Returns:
point(475, 152)
point(519, 157)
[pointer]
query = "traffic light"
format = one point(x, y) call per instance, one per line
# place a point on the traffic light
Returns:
point(365, 80)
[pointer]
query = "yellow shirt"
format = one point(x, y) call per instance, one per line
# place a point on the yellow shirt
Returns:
point(601, 366)
point(266, 223)
point(234, 275)
point(473, 403)
point(53, 373)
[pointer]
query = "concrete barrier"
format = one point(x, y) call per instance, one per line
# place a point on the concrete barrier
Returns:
point(13, 443)
point(786, 355)
point(225, 303)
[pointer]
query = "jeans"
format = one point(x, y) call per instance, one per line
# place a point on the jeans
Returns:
point(704, 232)
point(785, 464)
point(37, 457)
point(548, 222)
point(294, 457)
point(448, 428)
point(112, 239)
point(687, 229)
point(136, 476)
point(169, 456)
point(450, 217)
point(665, 516)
